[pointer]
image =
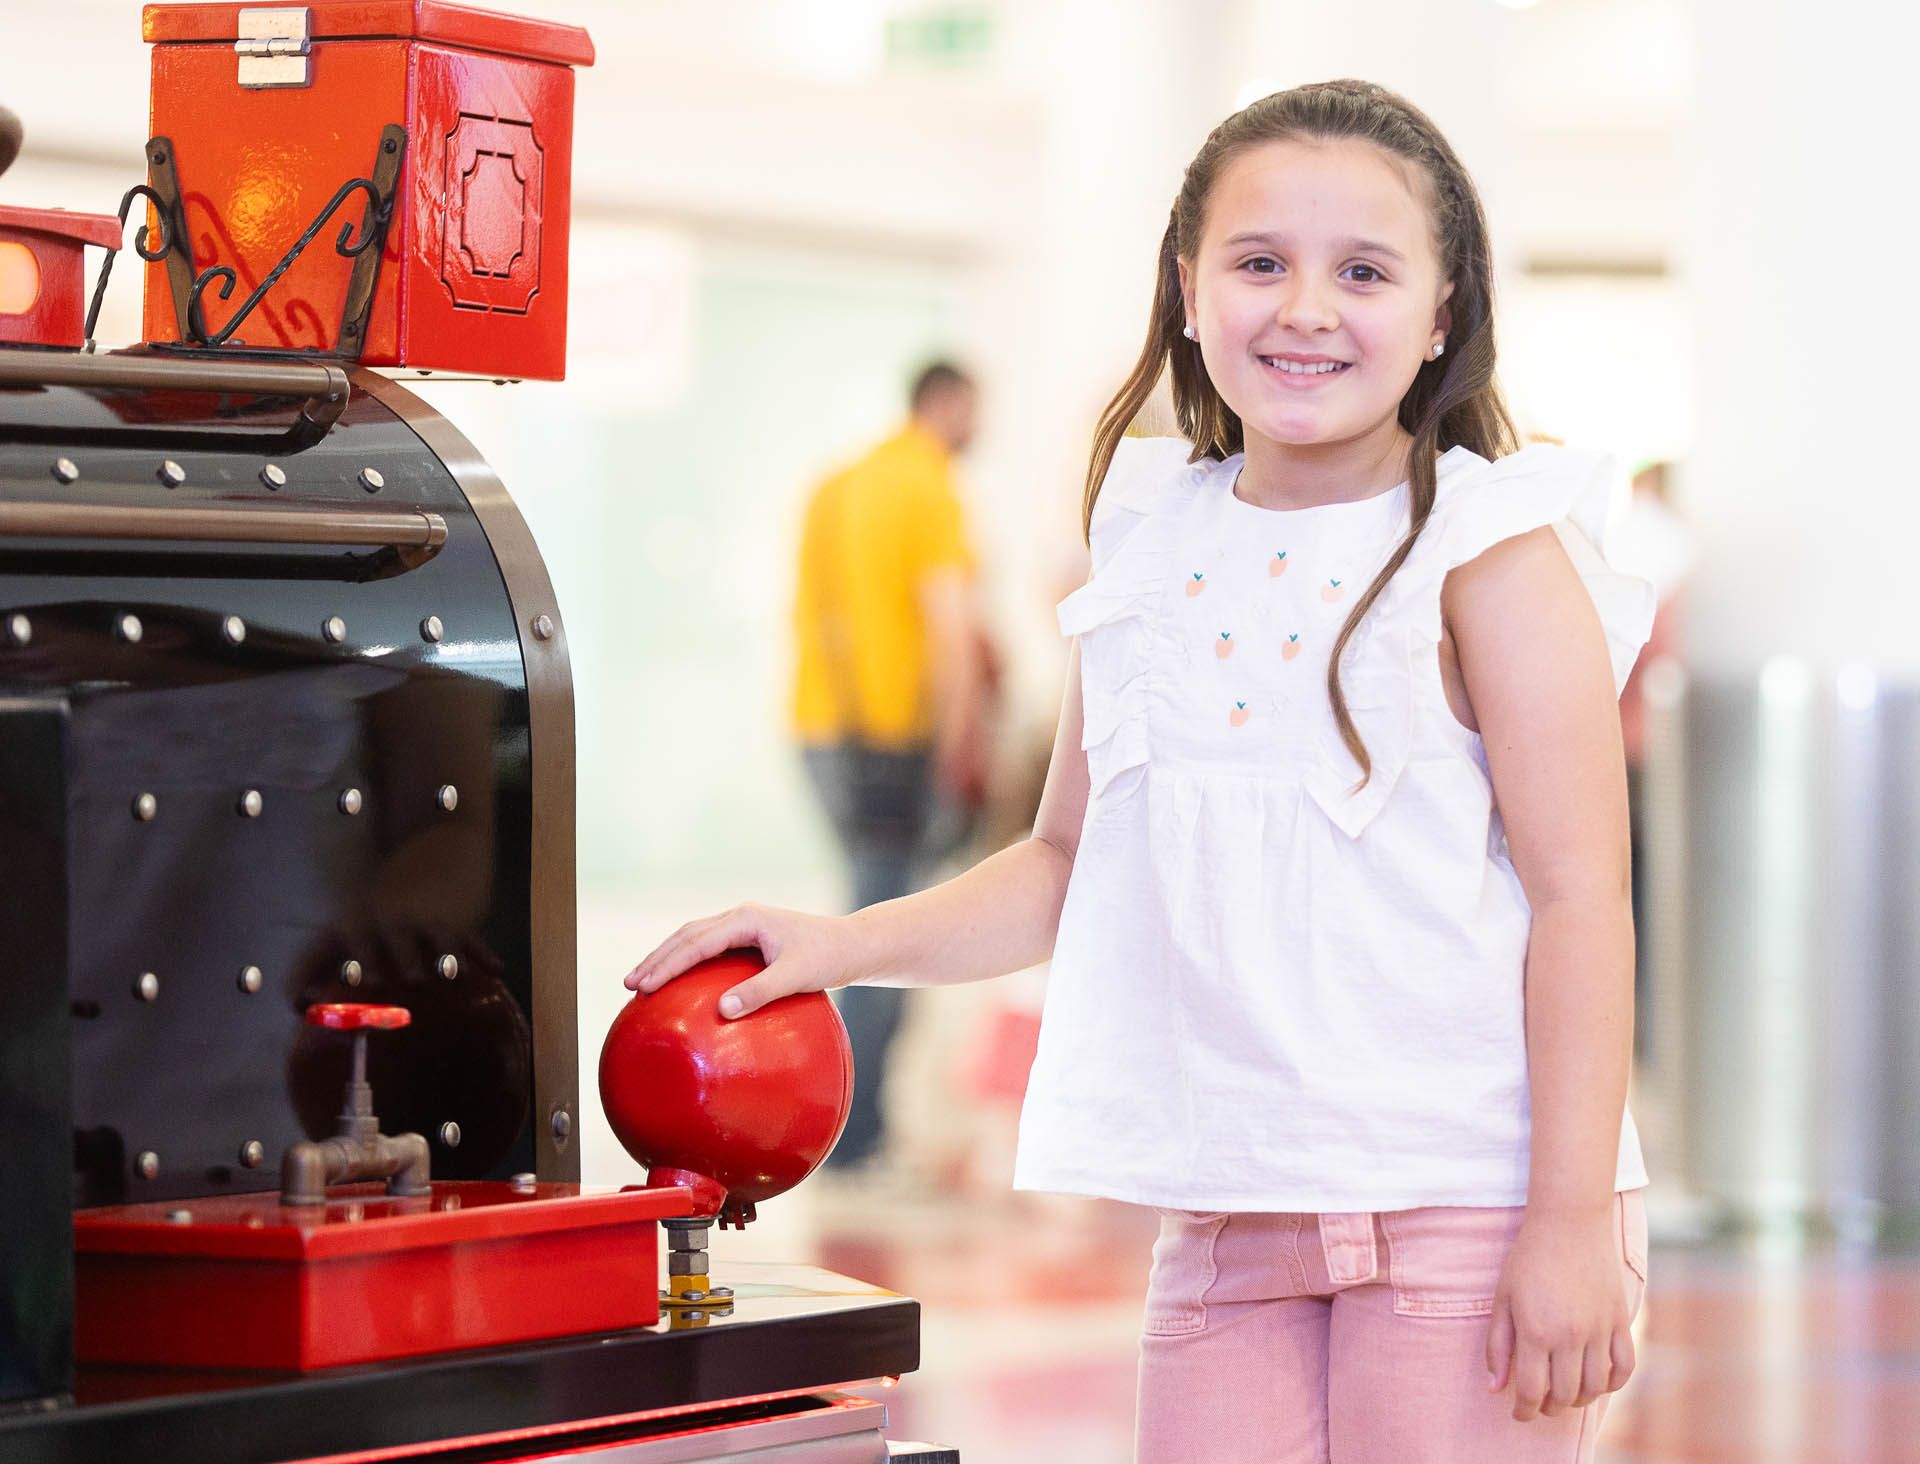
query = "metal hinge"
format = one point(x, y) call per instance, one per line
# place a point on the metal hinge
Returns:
point(275, 46)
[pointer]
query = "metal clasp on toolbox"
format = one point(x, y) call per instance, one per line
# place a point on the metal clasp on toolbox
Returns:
point(275, 46)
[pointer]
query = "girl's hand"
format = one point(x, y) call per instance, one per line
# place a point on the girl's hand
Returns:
point(1560, 1329)
point(803, 953)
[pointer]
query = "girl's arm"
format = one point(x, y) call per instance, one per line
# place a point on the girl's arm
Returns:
point(1000, 916)
point(1534, 662)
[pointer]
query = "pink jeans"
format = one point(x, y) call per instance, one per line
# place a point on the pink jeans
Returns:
point(1344, 1339)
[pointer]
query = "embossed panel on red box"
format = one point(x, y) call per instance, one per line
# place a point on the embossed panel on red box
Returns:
point(473, 274)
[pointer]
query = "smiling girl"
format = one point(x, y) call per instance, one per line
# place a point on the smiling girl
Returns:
point(1332, 858)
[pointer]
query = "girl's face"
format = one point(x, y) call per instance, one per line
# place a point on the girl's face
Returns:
point(1314, 254)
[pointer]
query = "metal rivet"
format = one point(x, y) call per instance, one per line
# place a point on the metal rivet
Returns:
point(234, 629)
point(178, 1217)
point(350, 972)
point(172, 474)
point(250, 979)
point(251, 803)
point(252, 1153)
point(351, 802)
point(147, 988)
point(145, 807)
point(522, 1181)
point(431, 629)
point(19, 629)
point(543, 627)
point(129, 629)
point(450, 1134)
point(449, 967)
point(147, 1163)
point(371, 480)
point(65, 470)
point(274, 476)
point(562, 1124)
point(335, 629)
point(448, 797)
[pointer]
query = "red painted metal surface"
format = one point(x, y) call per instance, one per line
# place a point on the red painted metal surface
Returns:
point(431, 20)
point(243, 1282)
point(42, 250)
point(474, 273)
point(743, 1109)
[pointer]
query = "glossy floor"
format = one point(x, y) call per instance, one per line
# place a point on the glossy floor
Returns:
point(1031, 1304)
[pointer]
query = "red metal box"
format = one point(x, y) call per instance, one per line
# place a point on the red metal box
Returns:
point(238, 1281)
point(270, 110)
point(43, 272)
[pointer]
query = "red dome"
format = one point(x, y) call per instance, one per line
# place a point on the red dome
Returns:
point(748, 1106)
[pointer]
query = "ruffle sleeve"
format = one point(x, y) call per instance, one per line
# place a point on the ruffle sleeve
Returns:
point(1132, 541)
point(1478, 504)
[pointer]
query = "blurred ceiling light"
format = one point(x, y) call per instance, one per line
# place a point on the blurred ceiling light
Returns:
point(1517, 4)
point(1254, 88)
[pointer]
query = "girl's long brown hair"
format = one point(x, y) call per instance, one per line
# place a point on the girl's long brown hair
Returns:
point(1453, 400)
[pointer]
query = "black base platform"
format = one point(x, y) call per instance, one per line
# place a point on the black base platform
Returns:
point(793, 1329)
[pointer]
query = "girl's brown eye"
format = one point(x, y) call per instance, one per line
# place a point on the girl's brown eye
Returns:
point(1366, 274)
point(1262, 265)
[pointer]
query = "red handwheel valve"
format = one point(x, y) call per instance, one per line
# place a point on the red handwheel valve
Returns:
point(358, 1150)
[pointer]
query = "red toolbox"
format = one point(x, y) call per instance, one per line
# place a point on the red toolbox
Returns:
point(462, 118)
point(241, 1281)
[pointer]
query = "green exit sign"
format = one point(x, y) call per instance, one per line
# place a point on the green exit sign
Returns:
point(940, 35)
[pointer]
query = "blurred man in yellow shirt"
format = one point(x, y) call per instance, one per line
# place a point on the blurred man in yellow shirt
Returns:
point(890, 684)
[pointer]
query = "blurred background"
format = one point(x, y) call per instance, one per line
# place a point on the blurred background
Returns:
point(1703, 218)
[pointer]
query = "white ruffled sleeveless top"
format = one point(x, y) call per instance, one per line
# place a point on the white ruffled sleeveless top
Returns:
point(1269, 992)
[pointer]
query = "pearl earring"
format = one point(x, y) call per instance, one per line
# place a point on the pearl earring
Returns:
point(1189, 334)
point(1438, 348)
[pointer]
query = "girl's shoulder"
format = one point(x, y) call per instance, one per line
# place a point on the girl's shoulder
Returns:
point(1578, 493)
point(1147, 476)
point(1481, 502)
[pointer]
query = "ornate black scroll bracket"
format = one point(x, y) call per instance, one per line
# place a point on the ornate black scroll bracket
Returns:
point(168, 233)
point(163, 174)
point(365, 251)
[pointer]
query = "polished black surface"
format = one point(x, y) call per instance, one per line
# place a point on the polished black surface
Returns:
point(202, 890)
point(36, 1228)
point(792, 1329)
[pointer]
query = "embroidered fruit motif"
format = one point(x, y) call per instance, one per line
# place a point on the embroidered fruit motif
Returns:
point(1277, 565)
point(1331, 592)
point(1238, 716)
point(1196, 584)
point(1291, 649)
point(1224, 646)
